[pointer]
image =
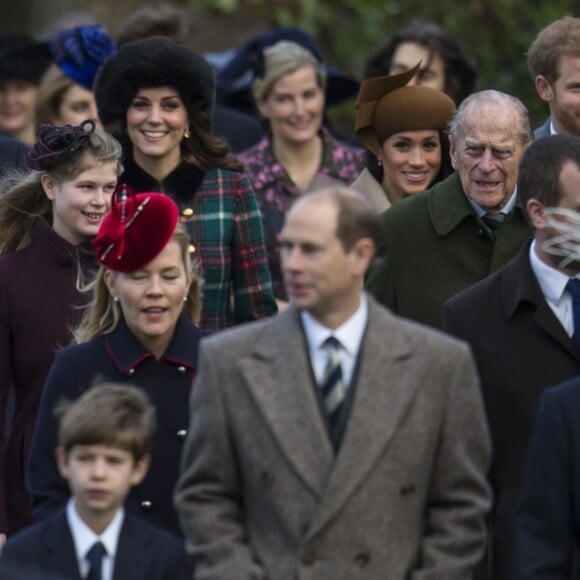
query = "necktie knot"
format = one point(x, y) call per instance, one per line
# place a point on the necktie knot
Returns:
point(95, 558)
point(493, 221)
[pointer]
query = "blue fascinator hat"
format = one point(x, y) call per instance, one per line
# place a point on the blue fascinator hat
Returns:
point(81, 51)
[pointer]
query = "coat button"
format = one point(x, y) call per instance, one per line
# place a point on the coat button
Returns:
point(131, 372)
point(181, 434)
point(362, 559)
point(308, 557)
point(187, 212)
point(407, 489)
point(147, 505)
point(267, 478)
point(181, 370)
point(191, 248)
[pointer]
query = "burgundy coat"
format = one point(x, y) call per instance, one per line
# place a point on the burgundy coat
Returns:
point(38, 306)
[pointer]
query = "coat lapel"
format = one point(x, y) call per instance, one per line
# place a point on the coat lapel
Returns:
point(385, 389)
point(60, 554)
point(133, 552)
point(519, 286)
point(278, 375)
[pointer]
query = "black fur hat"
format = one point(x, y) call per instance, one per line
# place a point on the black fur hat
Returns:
point(22, 57)
point(151, 63)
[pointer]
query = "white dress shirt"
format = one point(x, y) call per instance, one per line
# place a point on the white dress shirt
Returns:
point(349, 334)
point(553, 284)
point(84, 539)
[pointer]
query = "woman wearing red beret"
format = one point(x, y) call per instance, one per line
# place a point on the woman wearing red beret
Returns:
point(138, 329)
point(47, 219)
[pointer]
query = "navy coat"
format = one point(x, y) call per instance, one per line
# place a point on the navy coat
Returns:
point(119, 357)
point(520, 348)
point(547, 532)
point(45, 551)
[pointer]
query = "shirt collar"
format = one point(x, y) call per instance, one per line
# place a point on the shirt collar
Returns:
point(127, 352)
point(551, 280)
point(506, 209)
point(84, 538)
point(349, 334)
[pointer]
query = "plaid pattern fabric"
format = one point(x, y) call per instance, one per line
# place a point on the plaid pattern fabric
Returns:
point(223, 222)
point(276, 192)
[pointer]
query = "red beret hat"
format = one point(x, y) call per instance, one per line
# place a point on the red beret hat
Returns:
point(136, 230)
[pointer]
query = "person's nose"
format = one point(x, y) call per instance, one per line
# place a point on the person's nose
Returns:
point(100, 197)
point(486, 163)
point(155, 287)
point(291, 260)
point(98, 468)
point(299, 107)
point(417, 157)
point(154, 115)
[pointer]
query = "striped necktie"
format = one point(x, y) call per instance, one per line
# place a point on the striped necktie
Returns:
point(493, 221)
point(332, 384)
point(95, 559)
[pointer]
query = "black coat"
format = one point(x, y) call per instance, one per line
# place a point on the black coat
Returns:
point(11, 154)
point(120, 357)
point(46, 551)
point(520, 348)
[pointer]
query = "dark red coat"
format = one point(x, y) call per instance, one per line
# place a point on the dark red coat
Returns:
point(39, 304)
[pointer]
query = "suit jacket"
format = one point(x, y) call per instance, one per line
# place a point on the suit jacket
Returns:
point(548, 518)
point(263, 495)
point(520, 348)
point(543, 130)
point(45, 551)
point(436, 246)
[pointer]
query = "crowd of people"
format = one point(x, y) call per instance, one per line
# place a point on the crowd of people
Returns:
point(235, 343)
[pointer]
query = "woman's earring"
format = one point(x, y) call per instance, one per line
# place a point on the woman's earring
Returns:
point(380, 162)
point(187, 134)
point(185, 298)
point(115, 299)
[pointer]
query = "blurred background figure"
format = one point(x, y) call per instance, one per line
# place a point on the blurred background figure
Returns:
point(65, 93)
point(443, 65)
point(157, 96)
point(298, 154)
point(140, 329)
point(22, 64)
point(47, 220)
point(239, 130)
point(403, 129)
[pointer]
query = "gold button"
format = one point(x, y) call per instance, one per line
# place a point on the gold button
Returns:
point(187, 212)
point(181, 370)
point(191, 248)
point(131, 372)
point(146, 505)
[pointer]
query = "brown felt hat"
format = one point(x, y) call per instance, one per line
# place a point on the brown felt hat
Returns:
point(385, 106)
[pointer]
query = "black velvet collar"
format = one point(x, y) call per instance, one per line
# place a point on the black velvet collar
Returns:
point(181, 184)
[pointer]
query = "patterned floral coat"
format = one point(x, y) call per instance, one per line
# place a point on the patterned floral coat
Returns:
point(219, 211)
point(275, 190)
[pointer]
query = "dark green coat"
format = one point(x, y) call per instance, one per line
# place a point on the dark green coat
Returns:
point(435, 246)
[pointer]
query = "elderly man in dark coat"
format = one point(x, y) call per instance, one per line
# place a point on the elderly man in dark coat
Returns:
point(519, 325)
point(443, 240)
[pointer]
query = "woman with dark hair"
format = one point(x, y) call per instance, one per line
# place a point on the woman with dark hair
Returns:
point(443, 65)
point(139, 329)
point(157, 97)
point(47, 219)
point(403, 129)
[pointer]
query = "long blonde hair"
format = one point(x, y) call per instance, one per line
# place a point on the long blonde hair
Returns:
point(102, 314)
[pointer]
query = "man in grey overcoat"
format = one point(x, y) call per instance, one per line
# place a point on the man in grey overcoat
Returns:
point(334, 440)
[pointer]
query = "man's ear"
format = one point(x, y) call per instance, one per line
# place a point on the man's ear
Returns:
point(61, 461)
point(140, 469)
point(535, 211)
point(453, 153)
point(544, 89)
point(363, 252)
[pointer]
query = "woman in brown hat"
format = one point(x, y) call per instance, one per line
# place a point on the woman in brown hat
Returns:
point(402, 128)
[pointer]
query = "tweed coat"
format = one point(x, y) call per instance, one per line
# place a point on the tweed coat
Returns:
point(262, 494)
point(547, 531)
point(520, 348)
point(46, 551)
point(434, 247)
point(372, 190)
point(39, 304)
point(119, 357)
point(221, 216)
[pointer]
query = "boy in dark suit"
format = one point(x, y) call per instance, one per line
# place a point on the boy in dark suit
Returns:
point(104, 440)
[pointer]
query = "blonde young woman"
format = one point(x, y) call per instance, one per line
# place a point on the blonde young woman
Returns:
point(47, 221)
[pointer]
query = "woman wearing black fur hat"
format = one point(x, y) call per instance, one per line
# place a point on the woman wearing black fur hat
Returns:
point(157, 97)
